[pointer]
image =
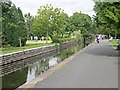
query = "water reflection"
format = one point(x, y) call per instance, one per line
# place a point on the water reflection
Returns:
point(27, 74)
point(53, 61)
point(36, 66)
point(41, 66)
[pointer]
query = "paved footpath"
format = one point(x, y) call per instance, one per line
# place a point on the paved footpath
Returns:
point(95, 67)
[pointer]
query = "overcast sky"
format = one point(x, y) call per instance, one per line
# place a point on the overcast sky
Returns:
point(69, 6)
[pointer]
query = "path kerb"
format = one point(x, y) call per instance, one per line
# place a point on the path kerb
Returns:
point(51, 70)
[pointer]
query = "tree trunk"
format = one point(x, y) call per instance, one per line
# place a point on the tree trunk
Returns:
point(47, 37)
point(115, 35)
point(20, 43)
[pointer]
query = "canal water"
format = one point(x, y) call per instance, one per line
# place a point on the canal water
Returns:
point(36, 67)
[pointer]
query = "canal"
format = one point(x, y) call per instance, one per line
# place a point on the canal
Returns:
point(27, 71)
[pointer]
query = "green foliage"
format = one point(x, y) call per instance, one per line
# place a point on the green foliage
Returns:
point(29, 24)
point(60, 40)
point(13, 25)
point(82, 22)
point(67, 39)
point(107, 17)
point(78, 35)
point(55, 23)
point(115, 43)
point(67, 52)
point(29, 45)
point(50, 21)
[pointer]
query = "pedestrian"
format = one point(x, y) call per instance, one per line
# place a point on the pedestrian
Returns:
point(36, 38)
point(97, 39)
point(102, 37)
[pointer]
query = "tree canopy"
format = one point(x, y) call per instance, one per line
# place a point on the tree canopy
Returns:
point(13, 24)
point(82, 22)
point(50, 21)
point(55, 23)
point(108, 17)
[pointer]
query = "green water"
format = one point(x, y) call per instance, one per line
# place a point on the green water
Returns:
point(33, 70)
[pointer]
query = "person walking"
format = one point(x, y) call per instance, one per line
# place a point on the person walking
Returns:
point(97, 39)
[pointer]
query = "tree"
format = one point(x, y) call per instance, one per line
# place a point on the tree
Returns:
point(70, 28)
point(29, 24)
point(82, 22)
point(50, 21)
point(12, 30)
point(108, 16)
point(21, 33)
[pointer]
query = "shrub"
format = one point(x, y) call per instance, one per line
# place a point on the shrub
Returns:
point(66, 39)
point(16, 43)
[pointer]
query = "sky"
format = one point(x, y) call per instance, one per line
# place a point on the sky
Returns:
point(69, 6)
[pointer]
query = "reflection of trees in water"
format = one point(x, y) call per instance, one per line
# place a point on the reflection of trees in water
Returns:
point(15, 79)
point(44, 65)
point(38, 70)
point(39, 66)
point(36, 66)
point(30, 68)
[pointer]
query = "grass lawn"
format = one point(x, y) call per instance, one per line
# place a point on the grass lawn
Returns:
point(115, 43)
point(29, 44)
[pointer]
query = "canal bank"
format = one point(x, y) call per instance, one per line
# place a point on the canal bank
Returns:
point(26, 70)
point(95, 67)
point(51, 70)
point(9, 61)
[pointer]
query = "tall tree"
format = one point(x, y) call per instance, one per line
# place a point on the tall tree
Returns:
point(29, 24)
point(82, 22)
point(108, 16)
point(11, 16)
point(50, 21)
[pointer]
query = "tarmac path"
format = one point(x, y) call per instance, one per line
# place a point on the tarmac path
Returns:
point(95, 67)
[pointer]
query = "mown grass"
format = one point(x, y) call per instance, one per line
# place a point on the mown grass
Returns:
point(29, 45)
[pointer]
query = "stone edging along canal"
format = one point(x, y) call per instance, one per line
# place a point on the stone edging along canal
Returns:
point(50, 71)
point(14, 61)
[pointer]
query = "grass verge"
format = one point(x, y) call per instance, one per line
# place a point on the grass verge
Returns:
point(29, 45)
point(115, 43)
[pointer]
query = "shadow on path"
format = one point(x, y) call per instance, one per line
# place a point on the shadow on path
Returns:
point(89, 69)
point(102, 50)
